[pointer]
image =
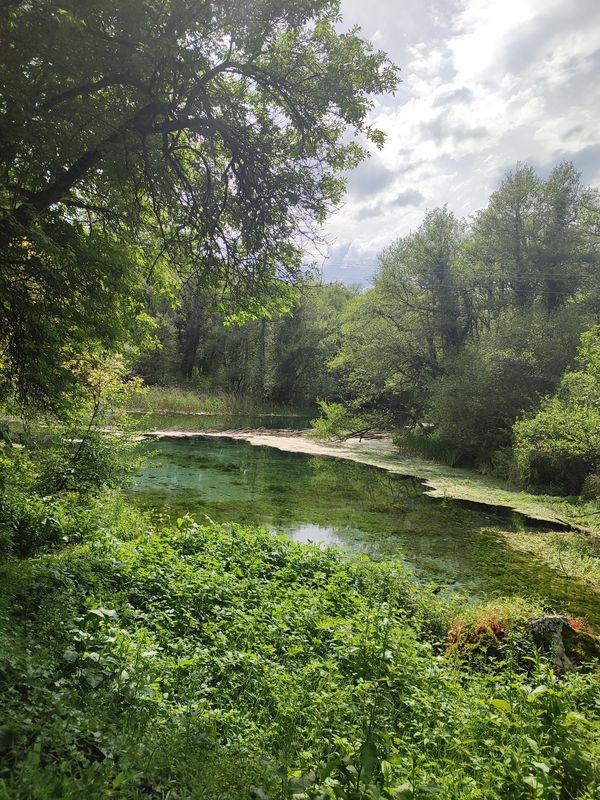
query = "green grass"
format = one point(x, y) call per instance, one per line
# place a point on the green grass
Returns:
point(573, 555)
point(223, 662)
point(176, 400)
point(427, 446)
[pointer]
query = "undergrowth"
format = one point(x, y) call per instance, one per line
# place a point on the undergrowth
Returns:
point(177, 400)
point(428, 445)
point(224, 662)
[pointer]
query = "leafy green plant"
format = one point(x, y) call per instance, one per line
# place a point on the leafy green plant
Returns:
point(337, 421)
point(560, 444)
point(218, 661)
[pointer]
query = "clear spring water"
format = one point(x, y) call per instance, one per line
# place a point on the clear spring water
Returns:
point(457, 545)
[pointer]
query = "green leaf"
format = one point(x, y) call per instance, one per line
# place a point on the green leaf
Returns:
point(404, 791)
point(537, 692)
point(368, 758)
point(541, 766)
point(501, 705)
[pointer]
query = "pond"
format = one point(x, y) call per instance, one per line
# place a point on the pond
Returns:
point(457, 545)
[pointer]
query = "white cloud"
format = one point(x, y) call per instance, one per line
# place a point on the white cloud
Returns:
point(485, 84)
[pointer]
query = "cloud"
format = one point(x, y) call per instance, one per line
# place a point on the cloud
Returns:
point(485, 85)
point(441, 128)
point(453, 97)
point(370, 177)
point(410, 197)
point(540, 36)
point(586, 160)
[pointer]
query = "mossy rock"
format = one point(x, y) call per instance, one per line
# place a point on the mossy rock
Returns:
point(482, 641)
point(568, 646)
point(581, 646)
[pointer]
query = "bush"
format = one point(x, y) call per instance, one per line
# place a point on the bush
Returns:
point(487, 386)
point(560, 445)
point(220, 662)
point(337, 421)
point(49, 487)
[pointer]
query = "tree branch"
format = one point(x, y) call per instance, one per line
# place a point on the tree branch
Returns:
point(88, 88)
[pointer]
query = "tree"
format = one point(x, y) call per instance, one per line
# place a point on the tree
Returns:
point(204, 137)
point(563, 257)
point(498, 375)
point(282, 359)
point(419, 311)
point(504, 240)
point(534, 242)
point(421, 273)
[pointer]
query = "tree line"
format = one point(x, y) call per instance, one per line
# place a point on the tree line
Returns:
point(467, 326)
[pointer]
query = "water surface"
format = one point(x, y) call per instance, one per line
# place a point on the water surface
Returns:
point(455, 544)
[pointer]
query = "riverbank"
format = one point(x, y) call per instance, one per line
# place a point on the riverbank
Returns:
point(439, 480)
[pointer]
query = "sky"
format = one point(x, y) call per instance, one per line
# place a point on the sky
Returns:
point(485, 84)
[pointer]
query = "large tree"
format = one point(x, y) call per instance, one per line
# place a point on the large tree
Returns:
point(534, 242)
point(208, 135)
point(419, 312)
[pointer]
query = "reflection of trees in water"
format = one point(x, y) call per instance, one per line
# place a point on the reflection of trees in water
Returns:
point(374, 488)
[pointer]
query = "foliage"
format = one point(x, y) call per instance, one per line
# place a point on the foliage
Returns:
point(486, 386)
point(68, 296)
point(35, 514)
point(396, 336)
point(49, 473)
point(338, 421)
point(202, 144)
point(178, 400)
point(215, 661)
point(467, 325)
point(560, 445)
point(278, 360)
point(425, 443)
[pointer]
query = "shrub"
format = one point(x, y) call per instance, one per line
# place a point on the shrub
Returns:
point(560, 445)
point(220, 662)
point(337, 421)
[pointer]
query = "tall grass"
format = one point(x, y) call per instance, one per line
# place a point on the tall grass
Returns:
point(177, 400)
point(429, 446)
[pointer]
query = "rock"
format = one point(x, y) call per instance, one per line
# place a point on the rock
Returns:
point(567, 646)
point(548, 634)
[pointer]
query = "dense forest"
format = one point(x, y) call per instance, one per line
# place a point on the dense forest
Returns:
point(165, 168)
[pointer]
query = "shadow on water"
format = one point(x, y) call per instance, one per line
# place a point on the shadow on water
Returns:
point(457, 544)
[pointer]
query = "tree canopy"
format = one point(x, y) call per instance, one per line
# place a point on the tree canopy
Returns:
point(201, 138)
